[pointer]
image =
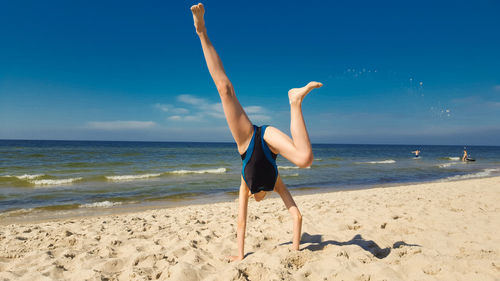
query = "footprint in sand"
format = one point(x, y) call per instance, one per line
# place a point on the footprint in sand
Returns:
point(495, 265)
point(253, 271)
point(296, 260)
point(363, 277)
point(116, 242)
point(144, 260)
point(113, 265)
point(183, 271)
point(354, 226)
point(431, 269)
point(407, 251)
point(343, 254)
point(145, 273)
point(55, 272)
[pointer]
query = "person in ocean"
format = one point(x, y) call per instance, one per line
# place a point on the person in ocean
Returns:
point(465, 156)
point(417, 153)
point(259, 146)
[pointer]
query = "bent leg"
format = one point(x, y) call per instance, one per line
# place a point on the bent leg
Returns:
point(282, 190)
point(298, 148)
point(237, 120)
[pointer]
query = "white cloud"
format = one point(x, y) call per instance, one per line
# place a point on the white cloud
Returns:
point(171, 108)
point(200, 109)
point(185, 118)
point(180, 110)
point(193, 118)
point(203, 107)
point(120, 125)
point(175, 117)
point(476, 101)
point(259, 117)
point(217, 107)
point(192, 100)
point(257, 113)
point(253, 109)
point(163, 107)
point(215, 110)
point(217, 115)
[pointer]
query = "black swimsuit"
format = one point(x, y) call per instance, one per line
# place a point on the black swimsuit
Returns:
point(259, 163)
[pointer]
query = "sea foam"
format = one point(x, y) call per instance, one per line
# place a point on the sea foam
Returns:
point(29, 177)
point(483, 173)
point(207, 171)
point(291, 175)
point(447, 165)
point(291, 167)
point(25, 176)
point(389, 161)
point(131, 177)
point(33, 179)
point(102, 204)
point(54, 181)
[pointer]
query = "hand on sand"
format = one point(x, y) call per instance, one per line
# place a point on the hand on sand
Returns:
point(234, 258)
point(297, 94)
point(198, 12)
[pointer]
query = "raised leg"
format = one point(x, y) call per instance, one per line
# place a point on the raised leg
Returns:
point(298, 148)
point(237, 120)
point(282, 190)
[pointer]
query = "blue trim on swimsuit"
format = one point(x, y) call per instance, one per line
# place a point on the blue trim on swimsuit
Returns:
point(267, 151)
point(248, 154)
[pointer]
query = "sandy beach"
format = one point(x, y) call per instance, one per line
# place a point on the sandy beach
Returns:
point(430, 231)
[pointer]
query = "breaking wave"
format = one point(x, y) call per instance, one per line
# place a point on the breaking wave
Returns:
point(25, 176)
point(37, 179)
point(207, 171)
point(450, 158)
point(131, 177)
point(484, 173)
point(54, 181)
point(389, 161)
point(447, 165)
point(102, 204)
point(291, 167)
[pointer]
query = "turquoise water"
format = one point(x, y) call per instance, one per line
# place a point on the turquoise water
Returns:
point(62, 175)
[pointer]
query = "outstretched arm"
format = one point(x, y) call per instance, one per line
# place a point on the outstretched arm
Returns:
point(285, 195)
point(242, 222)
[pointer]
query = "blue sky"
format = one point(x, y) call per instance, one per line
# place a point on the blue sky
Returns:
point(397, 72)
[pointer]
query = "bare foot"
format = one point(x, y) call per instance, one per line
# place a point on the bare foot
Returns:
point(234, 258)
point(198, 12)
point(296, 95)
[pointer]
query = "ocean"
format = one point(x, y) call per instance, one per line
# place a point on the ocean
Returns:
point(65, 176)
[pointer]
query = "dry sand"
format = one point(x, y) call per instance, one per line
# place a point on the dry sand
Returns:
point(431, 231)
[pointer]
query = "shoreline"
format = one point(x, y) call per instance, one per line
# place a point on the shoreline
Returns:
point(42, 214)
point(429, 231)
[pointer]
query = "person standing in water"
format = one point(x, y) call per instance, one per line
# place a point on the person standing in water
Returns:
point(259, 146)
point(465, 156)
point(417, 153)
